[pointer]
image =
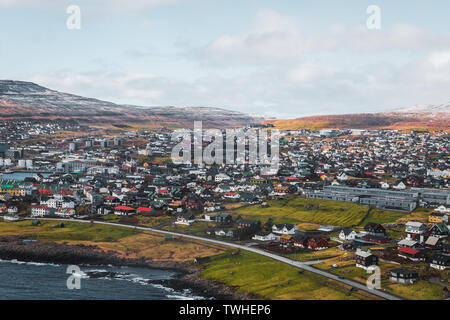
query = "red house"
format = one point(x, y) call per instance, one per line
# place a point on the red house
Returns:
point(65, 192)
point(45, 192)
point(411, 254)
point(145, 210)
point(124, 211)
point(317, 243)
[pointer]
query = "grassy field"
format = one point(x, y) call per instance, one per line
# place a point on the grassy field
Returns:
point(421, 290)
point(269, 279)
point(156, 247)
point(316, 255)
point(71, 231)
point(198, 228)
point(385, 216)
point(124, 241)
point(301, 210)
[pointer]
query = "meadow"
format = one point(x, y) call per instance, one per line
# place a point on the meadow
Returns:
point(269, 279)
point(300, 210)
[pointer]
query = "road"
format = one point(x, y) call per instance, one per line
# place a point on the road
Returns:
point(301, 265)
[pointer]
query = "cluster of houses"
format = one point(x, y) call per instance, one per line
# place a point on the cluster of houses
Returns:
point(421, 244)
point(131, 174)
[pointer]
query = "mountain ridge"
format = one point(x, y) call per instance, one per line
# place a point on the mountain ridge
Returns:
point(28, 100)
point(419, 117)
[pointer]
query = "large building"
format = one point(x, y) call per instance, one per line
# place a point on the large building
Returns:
point(378, 198)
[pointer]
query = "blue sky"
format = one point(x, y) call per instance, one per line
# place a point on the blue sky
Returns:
point(281, 58)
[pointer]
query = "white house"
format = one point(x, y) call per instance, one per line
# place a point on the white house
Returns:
point(12, 210)
point(384, 185)
point(415, 231)
point(185, 219)
point(67, 212)
point(265, 236)
point(224, 233)
point(442, 209)
point(41, 211)
point(347, 234)
point(285, 228)
point(400, 186)
point(221, 177)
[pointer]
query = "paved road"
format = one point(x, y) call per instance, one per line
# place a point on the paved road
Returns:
point(301, 265)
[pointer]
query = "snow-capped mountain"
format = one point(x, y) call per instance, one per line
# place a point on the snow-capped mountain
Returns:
point(27, 100)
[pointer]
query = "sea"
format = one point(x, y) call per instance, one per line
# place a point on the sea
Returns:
point(20, 176)
point(35, 281)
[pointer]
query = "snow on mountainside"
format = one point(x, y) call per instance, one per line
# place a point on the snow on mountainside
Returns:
point(429, 108)
point(26, 100)
point(417, 117)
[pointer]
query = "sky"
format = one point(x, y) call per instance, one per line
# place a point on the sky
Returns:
point(278, 58)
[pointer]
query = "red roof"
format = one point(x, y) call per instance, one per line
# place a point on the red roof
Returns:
point(65, 192)
point(125, 208)
point(45, 191)
point(144, 209)
point(408, 250)
point(39, 207)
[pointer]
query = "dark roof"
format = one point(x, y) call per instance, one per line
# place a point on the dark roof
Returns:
point(282, 225)
point(403, 271)
point(347, 231)
point(248, 221)
point(185, 215)
point(370, 226)
point(444, 258)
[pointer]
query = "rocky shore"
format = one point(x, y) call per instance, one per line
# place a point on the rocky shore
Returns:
point(187, 276)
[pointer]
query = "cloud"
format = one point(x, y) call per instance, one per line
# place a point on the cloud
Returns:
point(89, 6)
point(289, 92)
point(274, 68)
point(275, 38)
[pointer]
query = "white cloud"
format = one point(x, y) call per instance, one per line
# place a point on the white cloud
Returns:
point(275, 38)
point(289, 92)
point(439, 59)
point(89, 6)
point(274, 69)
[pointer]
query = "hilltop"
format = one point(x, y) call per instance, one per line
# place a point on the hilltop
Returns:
point(20, 100)
point(417, 117)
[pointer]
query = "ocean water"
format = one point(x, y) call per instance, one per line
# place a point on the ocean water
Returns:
point(30, 281)
point(20, 176)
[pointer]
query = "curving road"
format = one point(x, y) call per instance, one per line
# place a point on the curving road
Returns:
point(301, 265)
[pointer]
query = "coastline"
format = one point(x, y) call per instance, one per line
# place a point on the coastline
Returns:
point(20, 248)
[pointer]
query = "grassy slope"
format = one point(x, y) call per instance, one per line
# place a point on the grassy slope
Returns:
point(125, 241)
point(294, 209)
point(422, 290)
point(269, 279)
point(71, 231)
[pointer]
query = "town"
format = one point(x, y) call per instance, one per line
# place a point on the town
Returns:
point(350, 200)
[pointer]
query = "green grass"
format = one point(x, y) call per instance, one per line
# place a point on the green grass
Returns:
point(384, 216)
point(71, 231)
point(197, 228)
point(421, 290)
point(307, 255)
point(269, 279)
point(296, 209)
